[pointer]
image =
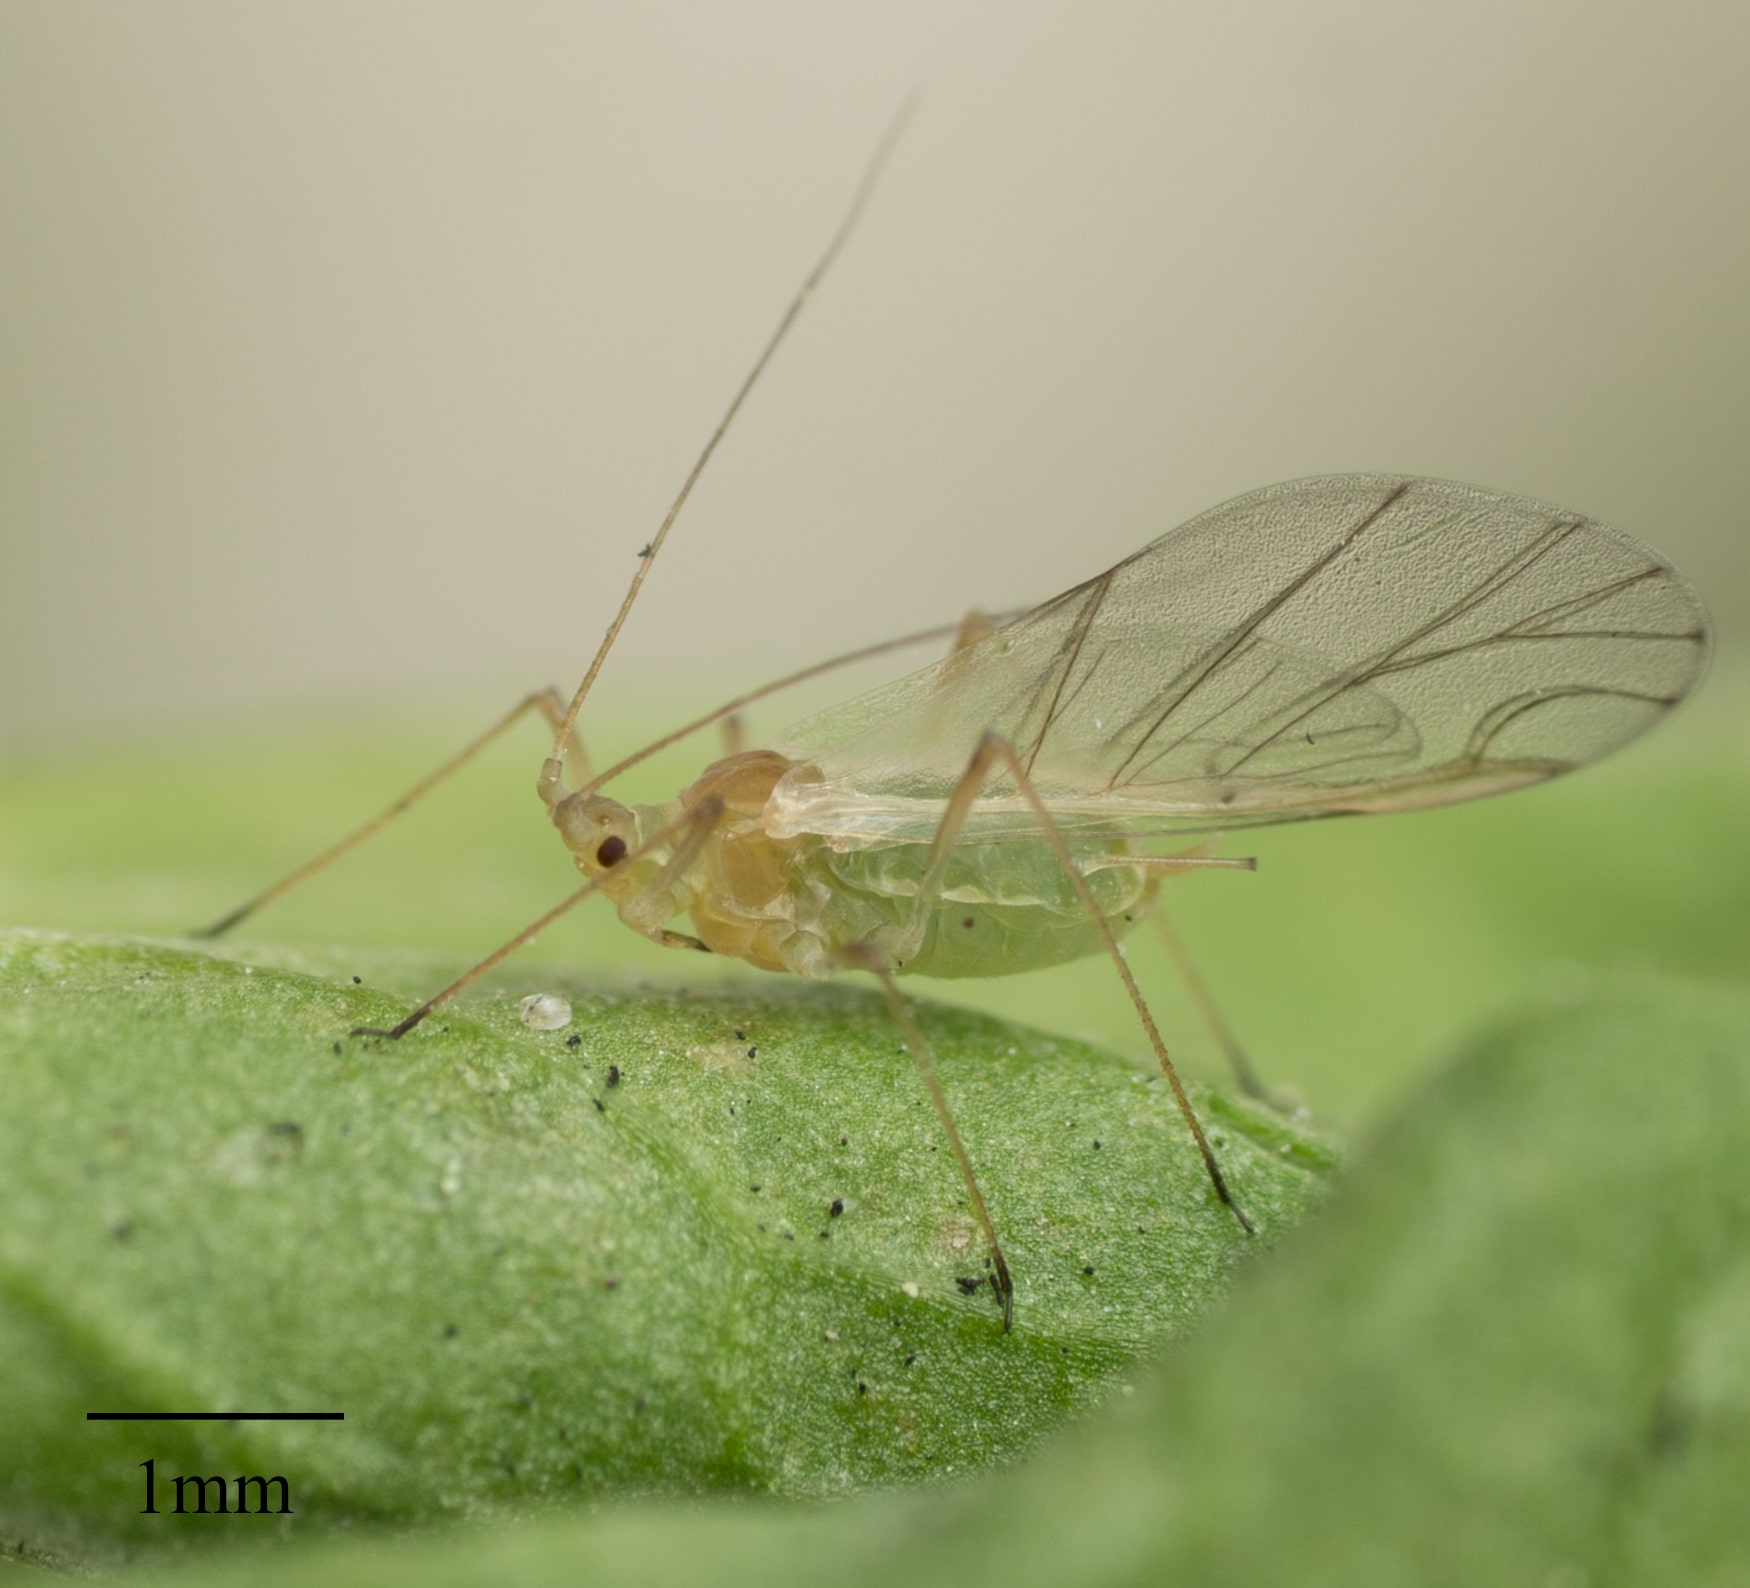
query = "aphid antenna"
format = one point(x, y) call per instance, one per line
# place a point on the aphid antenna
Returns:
point(551, 781)
point(553, 770)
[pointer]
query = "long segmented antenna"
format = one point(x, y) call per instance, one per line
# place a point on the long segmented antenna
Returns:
point(859, 203)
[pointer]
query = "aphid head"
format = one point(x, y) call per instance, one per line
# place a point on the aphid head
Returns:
point(599, 831)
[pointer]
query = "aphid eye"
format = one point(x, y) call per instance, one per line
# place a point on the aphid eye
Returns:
point(611, 852)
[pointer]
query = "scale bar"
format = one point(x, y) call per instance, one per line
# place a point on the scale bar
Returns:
point(215, 1417)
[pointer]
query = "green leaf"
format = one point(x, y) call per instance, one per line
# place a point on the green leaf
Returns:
point(718, 1245)
point(1358, 952)
point(1512, 1350)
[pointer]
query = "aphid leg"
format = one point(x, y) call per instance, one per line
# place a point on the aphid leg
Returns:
point(546, 701)
point(652, 902)
point(696, 825)
point(670, 939)
point(496, 957)
point(1250, 1082)
point(973, 628)
point(994, 753)
point(864, 956)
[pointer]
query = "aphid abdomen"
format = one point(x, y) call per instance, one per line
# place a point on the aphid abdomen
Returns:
point(1004, 908)
point(791, 903)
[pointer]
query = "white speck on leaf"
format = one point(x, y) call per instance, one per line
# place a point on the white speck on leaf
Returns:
point(544, 1012)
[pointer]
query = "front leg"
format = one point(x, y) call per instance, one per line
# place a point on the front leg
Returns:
point(690, 831)
point(670, 939)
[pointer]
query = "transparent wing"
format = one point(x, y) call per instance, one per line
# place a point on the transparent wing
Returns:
point(1350, 643)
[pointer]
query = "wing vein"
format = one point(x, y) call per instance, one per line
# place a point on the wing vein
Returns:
point(1246, 629)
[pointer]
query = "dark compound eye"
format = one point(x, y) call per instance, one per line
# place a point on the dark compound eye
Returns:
point(612, 851)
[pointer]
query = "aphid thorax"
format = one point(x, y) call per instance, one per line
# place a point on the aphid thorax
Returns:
point(794, 901)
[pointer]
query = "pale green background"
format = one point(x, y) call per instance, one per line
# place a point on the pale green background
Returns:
point(351, 350)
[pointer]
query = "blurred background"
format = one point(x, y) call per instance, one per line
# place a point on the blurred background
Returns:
point(351, 352)
point(356, 348)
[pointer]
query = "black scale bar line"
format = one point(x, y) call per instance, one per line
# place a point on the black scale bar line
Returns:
point(215, 1417)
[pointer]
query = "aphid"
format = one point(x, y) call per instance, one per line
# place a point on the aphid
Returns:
point(1319, 648)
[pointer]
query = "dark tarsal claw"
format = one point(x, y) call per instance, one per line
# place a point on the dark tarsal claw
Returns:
point(1004, 1287)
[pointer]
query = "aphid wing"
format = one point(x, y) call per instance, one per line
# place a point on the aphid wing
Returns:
point(1347, 643)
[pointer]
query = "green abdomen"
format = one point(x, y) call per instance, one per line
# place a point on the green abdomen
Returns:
point(1004, 908)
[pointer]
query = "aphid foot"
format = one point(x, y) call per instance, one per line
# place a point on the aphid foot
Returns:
point(1004, 1287)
